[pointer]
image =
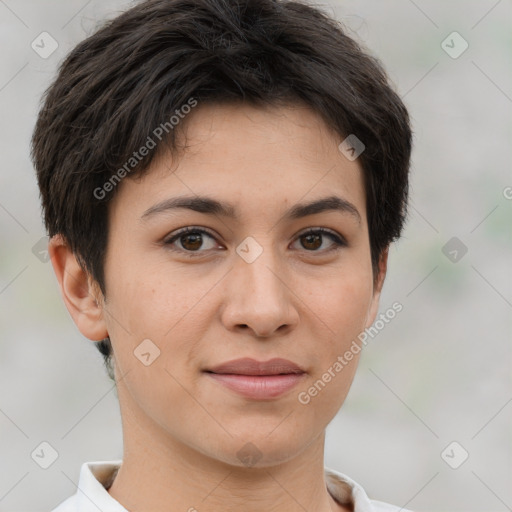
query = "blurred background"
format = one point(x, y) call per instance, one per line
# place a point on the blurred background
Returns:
point(427, 424)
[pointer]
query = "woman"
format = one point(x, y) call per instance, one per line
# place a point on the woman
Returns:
point(221, 181)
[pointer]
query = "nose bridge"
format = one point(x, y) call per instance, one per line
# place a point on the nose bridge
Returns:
point(258, 268)
point(260, 299)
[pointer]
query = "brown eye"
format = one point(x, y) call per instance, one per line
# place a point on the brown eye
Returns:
point(190, 240)
point(313, 239)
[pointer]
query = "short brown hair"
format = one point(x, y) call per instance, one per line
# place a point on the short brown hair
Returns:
point(117, 85)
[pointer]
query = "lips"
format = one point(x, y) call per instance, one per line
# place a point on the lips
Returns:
point(248, 366)
point(257, 380)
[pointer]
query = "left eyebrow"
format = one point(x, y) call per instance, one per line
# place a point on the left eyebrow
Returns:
point(210, 206)
point(331, 203)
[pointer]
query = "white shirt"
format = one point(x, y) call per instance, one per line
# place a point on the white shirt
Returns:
point(97, 477)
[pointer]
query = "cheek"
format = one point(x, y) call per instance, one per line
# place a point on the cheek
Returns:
point(342, 303)
point(165, 308)
point(354, 305)
point(149, 302)
point(340, 313)
point(155, 307)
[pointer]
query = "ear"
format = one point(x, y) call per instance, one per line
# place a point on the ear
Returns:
point(79, 291)
point(378, 283)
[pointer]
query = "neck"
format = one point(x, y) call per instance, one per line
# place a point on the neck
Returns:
point(160, 473)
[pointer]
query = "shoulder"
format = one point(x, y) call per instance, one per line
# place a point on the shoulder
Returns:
point(68, 505)
point(346, 491)
point(91, 494)
point(380, 506)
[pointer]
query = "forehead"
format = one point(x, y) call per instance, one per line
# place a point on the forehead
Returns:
point(248, 154)
point(238, 131)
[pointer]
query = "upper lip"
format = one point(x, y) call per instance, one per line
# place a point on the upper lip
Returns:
point(248, 366)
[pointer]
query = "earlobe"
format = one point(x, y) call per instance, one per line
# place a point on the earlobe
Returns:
point(79, 292)
point(377, 287)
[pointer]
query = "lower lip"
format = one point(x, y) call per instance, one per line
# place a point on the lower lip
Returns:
point(259, 387)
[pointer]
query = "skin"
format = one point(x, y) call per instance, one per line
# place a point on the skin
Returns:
point(298, 300)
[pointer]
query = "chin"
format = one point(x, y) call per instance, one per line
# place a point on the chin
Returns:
point(263, 448)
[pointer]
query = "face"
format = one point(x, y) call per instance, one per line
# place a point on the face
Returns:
point(260, 278)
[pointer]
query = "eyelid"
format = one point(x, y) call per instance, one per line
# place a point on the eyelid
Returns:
point(188, 229)
point(175, 235)
point(324, 231)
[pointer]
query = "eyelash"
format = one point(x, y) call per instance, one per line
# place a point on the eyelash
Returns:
point(338, 240)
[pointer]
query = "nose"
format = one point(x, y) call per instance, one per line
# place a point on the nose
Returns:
point(258, 298)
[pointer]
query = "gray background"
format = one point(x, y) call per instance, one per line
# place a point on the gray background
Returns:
point(439, 372)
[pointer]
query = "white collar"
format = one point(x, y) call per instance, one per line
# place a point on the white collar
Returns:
point(96, 477)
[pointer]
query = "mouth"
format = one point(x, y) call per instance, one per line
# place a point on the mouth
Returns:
point(248, 366)
point(258, 380)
